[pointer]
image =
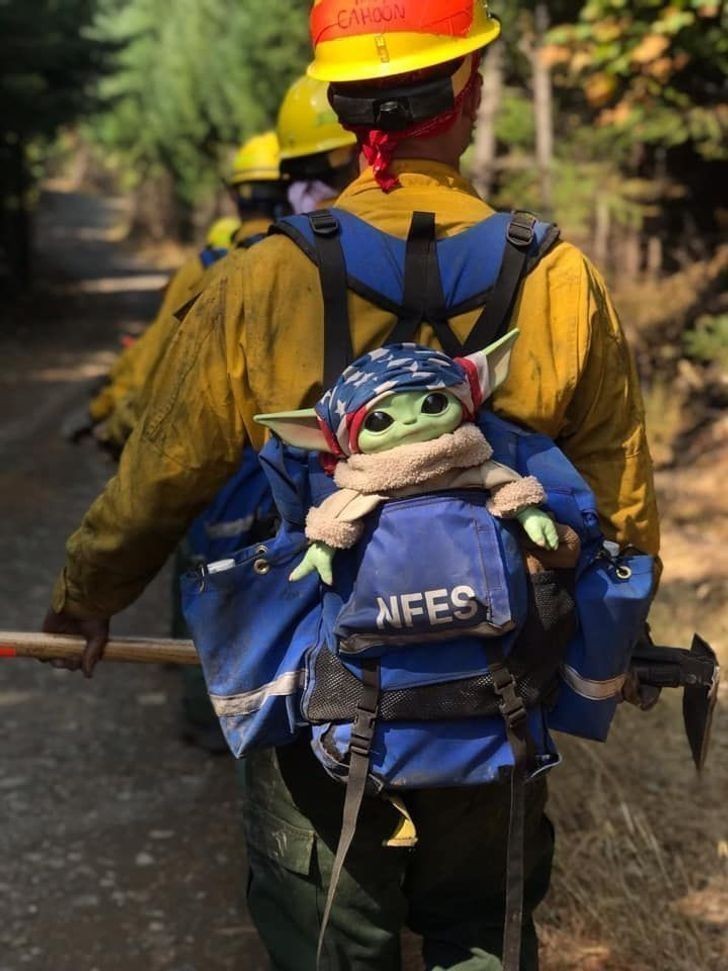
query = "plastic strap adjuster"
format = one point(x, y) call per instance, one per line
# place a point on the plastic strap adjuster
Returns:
point(362, 730)
point(521, 229)
point(324, 224)
point(510, 702)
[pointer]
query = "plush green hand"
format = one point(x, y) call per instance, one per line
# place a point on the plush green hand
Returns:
point(539, 526)
point(319, 558)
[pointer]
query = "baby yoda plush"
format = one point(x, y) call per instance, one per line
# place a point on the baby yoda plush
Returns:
point(400, 421)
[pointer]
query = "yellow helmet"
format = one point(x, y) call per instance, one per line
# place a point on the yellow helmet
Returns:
point(362, 40)
point(220, 234)
point(257, 160)
point(307, 124)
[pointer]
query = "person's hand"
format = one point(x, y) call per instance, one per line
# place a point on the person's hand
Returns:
point(95, 631)
point(642, 696)
point(319, 557)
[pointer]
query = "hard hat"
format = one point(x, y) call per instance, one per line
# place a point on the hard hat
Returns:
point(362, 40)
point(257, 160)
point(220, 234)
point(307, 124)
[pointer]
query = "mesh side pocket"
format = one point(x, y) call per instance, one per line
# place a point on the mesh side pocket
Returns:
point(336, 691)
point(550, 625)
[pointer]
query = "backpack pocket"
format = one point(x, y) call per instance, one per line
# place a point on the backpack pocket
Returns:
point(430, 755)
point(252, 628)
point(613, 598)
point(430, 568)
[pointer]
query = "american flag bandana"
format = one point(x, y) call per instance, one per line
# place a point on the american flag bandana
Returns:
point(395, 368)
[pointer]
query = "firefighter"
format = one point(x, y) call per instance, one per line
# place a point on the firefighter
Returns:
point(318, 156)
point(317, 159)
point(258, 193)
point(404, 77)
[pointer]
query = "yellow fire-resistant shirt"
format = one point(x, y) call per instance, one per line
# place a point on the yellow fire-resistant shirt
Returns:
point(116, 403)
point(253, 343)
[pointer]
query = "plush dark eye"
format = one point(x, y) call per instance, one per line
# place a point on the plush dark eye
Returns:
point(378, 421)
point(434, 404)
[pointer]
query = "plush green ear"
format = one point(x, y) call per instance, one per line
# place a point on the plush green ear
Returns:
point(298, 428)
point(493, 362)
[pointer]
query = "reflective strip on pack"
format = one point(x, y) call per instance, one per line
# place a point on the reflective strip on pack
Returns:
point(229, 529)
point(250, 701)
point(592, 690)
point(332, 19)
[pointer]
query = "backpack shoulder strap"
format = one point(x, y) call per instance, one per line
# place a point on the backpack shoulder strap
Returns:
point(402, 277)
point(248, 241)
point(517, 261)
point(374, 260)
point(423, 299)
point(423, 279)
point(318, 234)
point(338, 351)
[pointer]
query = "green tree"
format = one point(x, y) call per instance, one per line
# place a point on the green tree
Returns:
point(189, 81)
point(47, 61)
point(652, 71)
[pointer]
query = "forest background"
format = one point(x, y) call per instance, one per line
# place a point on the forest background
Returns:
point(609, 116)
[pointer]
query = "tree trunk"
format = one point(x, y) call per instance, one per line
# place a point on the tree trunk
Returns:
point(543, 109)
point(158, 213)
point(486, 147)
point(631, 254)
point(19, 217)
point(654, 256)
point(602, 230)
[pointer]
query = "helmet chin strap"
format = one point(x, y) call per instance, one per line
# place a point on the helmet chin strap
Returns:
point(392, 106)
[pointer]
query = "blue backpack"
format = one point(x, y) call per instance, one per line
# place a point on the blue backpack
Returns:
point(242, 512)
point(211, 255)
point(389, 703)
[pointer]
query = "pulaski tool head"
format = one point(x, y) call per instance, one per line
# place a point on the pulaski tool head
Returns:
point(699, 700)
point(696, 671)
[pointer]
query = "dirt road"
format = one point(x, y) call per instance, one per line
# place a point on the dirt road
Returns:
point(120, 847)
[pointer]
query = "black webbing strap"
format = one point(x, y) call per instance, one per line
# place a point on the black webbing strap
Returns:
point(493, 321)
point(515, 717)
point(362, 734)
point(249, 241)
point(423, 299)
point(338, 351)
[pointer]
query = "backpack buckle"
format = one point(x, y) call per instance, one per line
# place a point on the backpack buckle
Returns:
point(362, 730)
point(324, 224)
point(510, 702)
point(521, 229)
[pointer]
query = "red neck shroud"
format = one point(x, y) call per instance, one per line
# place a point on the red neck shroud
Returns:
point(379, 146)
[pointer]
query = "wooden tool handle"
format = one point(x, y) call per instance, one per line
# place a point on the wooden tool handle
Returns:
point(46, 647)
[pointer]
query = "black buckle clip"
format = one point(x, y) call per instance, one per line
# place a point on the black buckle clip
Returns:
point(362, 731)
point(394, 113)
point(510, 702)
point(521, 229)
point(324, 224)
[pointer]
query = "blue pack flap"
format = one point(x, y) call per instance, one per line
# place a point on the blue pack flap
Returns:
point(462, 575)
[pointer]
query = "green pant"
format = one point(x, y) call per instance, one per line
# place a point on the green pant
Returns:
point(449, 889)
